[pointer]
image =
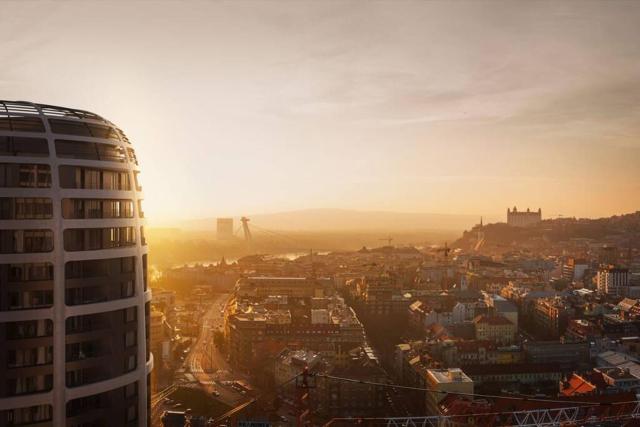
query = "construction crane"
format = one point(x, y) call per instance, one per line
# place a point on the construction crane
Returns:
point(388, 239)
point(445, 251)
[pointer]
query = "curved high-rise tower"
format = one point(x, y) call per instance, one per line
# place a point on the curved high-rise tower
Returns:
point(74, 303)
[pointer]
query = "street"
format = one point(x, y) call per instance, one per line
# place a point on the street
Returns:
point(206, 367)
point(205, 362)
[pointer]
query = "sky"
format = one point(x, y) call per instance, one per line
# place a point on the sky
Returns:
point(255, 107)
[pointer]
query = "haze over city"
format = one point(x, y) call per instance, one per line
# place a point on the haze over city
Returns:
point(261, 107)
point(313, 213)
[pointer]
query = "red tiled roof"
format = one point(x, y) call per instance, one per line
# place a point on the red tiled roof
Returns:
point(576, 386)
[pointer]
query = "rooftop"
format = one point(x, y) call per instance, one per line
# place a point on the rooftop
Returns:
point(492, 320)
point(451, 375)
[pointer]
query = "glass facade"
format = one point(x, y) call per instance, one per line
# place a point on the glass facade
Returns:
point(25, 241)
point(25, 175)
point(90, 151)
point(91, 239)
point(26, 208)
point(94, 179)
point(97, 208)
point(102, 280)
point(120, 405)
point(99, 347)
point(26, 286)
point(23, 146)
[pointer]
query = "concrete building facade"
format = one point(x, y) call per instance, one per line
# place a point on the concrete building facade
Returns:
point(612, 280)
point(74, 301)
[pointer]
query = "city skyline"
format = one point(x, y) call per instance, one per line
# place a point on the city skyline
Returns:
point(248, 108)
point(282, 213)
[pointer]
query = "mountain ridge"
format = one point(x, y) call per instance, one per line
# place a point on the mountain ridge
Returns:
point(333, 219)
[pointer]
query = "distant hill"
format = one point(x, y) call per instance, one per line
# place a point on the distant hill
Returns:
point(619, 229)
point(348, 220)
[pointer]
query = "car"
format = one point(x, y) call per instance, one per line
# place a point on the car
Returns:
point(216, 393)
point(284, 418)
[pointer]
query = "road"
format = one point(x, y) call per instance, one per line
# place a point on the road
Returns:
point(206, 363)
point(208, 366)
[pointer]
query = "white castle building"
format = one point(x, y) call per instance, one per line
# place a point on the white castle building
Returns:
point(526, 218)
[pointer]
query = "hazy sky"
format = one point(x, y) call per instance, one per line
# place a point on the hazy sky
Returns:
point(449, 107)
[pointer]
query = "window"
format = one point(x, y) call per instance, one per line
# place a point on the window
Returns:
point(22, 175)
point(82, 350)
point(24, 300)
point(130, 339)
point(111, 153)
point(130, 314)
point(21, 146)
point(25, 357)
point(22, 124)
point(27, 272)
point(37, 240)
point(91, 178)
point(85, 404)
point(29, 329)
point(96, 208)
point(143, 240)
point(25, 208)
point(132, 413)
point(93, 281)
point(90, 151)
point(131, 390)
point(144, 271)
point(85, 295)
point(130, 363)
point(27, 416)
point(71, 127)
point(136, 178)
point(88, 239)
point(140, 210)
point(128, 289)
point(26, 385)
point(105, 132)
point(76, 150)
point(25, 241)
point(132, 156)
point(128, 265)
point(114, 180)
point(113, 269)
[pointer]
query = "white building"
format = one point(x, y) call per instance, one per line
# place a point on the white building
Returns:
point(73, 269)
point(526, 218)
point(452, 380)
point(613, 280)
